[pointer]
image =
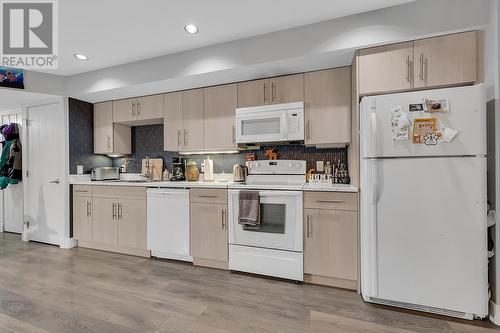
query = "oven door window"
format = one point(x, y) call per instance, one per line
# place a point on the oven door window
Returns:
point(250, 127)
point(272, 219)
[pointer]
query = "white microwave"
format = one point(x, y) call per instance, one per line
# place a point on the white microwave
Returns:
point(270, 123)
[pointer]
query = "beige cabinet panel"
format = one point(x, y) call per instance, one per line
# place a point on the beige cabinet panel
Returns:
point(287, 89)
point(192, 119)
point(386, 68)
point(82, 218)
point(105, 224)
point(103, 128)
point(254, 93)
point(172, 121)
point(445, 60)
point(330, 243)
point(327, 98)
point(219, 105)
point(209, 238)
point(125, 110)
point(131, 216)
point(150, 108)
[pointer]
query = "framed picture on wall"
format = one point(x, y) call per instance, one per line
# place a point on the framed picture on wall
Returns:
point(11, 78)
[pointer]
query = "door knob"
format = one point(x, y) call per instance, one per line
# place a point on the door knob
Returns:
point(55, 181)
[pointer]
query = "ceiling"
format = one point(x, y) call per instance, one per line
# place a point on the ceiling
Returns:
point(115, 32)
point(15, 99)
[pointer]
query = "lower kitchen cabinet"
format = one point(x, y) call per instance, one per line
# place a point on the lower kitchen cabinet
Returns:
point(82, 212)
point(209, 236)
point(117, 222)
point(331, 239)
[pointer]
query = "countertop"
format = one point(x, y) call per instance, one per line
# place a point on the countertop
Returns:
point(311, 187)
point(221, 181)
point(134, 180)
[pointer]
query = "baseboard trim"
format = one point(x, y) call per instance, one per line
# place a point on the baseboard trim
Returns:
point(211, 263)
point(68, 243)
point(115, 249)
point(331, 281)
point(494, 313)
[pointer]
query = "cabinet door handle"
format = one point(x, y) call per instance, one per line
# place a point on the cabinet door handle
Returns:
point(109, 142)
point(114, 211)
point(265, 92)
point(81, 191)
point(207, 196)
point(185, 137)
point(407, 68)
point(133, 111)
point(223, 223)
point(120, 211)
point(273, 91)
point(330, 201)
point(179, 132)
point(308, 129)
point(421, 75)
point(307, 225)
point(89, 212)
point(234, 134)
point(139, 107)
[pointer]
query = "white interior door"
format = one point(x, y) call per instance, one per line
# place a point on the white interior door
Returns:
point(45, 171)
point(423, 231)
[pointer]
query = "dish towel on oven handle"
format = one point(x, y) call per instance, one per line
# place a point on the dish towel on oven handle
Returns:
point(249, 210)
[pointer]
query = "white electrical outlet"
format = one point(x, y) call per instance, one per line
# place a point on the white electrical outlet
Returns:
point(320, 166)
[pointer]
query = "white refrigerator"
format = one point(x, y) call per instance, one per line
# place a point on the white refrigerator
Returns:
point(424, 205)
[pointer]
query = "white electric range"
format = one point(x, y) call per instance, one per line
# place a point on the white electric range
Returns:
point(276, 248)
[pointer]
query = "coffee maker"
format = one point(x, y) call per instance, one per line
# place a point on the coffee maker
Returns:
point(178, 168)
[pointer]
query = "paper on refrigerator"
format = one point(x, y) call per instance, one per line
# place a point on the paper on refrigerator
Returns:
point(400, 124)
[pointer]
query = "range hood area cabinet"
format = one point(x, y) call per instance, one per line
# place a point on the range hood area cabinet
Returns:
point(139, 111)
point(200, 119)
point(277, 90)
point(109, 137)
point(327, 102)
point(432, 62)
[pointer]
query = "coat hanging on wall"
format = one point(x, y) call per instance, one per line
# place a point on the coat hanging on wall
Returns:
point(11, 157)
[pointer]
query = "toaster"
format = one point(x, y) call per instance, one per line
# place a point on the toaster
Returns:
point(105, 173)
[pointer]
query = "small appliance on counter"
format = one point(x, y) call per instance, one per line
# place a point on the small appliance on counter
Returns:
point(240, 173)
point(177, 170)
point(105, 173)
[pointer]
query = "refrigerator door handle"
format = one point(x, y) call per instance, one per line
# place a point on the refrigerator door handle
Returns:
point(373, 125)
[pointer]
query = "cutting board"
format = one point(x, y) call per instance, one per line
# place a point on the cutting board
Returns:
point(155, 168)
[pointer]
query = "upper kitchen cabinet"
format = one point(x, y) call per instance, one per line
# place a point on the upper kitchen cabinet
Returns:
point(327, 98)
point(287, 89)
point(172, 118)
point(385, 68)
point(183, 120)
point(253, 93)
point(219, 104)
point(445, 60)
point(139, 111)
point(109, 138)
point(192, 119)
point(282, 89)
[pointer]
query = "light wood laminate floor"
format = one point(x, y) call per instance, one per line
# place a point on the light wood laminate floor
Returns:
point(46, 289)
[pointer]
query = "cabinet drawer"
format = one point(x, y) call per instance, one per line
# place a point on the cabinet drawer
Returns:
point(82, 190)
point(331, 200)
point(119, 192)
point(208, 195)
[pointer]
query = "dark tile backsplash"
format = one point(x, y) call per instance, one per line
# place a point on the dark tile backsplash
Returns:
point(81, 137)
point(147, 141)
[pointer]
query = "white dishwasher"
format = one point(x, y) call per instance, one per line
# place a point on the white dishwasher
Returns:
point(168, 223)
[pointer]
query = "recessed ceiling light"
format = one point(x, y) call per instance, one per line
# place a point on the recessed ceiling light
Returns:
point(191, 29)
point(81, 56)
